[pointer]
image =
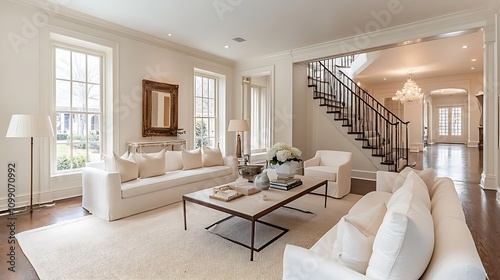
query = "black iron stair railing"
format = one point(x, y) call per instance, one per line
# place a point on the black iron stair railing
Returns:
point(380, 130)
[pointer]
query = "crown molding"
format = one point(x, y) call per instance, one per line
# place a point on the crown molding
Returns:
point(72, 16)
point(415, 32)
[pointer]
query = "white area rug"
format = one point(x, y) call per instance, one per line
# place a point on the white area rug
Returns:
point(154, 245)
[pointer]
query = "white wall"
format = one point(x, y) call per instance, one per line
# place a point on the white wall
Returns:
point(22, 90)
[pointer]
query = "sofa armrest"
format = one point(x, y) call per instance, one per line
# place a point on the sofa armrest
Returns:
point(100, 189)
point(312, 162)
point(300, 263)
point(385, 181)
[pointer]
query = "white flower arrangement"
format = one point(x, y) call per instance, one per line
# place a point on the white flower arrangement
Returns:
point(281, 153)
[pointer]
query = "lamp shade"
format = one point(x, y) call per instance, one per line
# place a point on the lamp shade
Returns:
point(30, 126)
point(238, 125)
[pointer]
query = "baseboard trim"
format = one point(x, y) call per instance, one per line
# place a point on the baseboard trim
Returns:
point(364, 175)
point(41, 198)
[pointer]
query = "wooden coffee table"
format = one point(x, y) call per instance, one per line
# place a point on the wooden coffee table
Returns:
point(253, 207)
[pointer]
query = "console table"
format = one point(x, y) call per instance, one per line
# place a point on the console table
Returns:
point(137, 145)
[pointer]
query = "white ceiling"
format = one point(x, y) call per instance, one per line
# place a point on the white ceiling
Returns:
point(282, 25)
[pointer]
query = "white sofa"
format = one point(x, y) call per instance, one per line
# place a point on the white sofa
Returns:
point(334, 166)
point(437, 243)
point(105, 196)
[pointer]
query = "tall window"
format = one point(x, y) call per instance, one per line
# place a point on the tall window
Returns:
point(205, 93)
point(78, 107)
point(259, 119)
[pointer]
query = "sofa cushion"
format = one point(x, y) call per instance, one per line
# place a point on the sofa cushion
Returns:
point(322, 172)
point(174, 179)
point(173, 160)
point(191, 159)
point(427, 175)
point(404, 242)
point(355, 235)
point(128, 168)
point(455, 256)
point(212, 157)
point(152, 164)
point(413, 184)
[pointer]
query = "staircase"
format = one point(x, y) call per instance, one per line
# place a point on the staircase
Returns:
point(366, 119)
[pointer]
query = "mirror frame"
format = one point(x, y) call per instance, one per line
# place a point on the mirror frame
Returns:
point(147, 104)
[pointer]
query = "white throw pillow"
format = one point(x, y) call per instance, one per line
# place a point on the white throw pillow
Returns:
point(404, 242)
point(192, 159)
point(128, 168)
point(427, 175)
point(413, 184)
point(109, 161)
point(356, 247)
point(212, 157)
point(152, 164)
point(355, 235)
point(173, 160)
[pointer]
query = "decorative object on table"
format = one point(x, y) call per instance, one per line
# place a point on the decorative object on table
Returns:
point(285, 184)
point(238, 126)
point(284, 159)
point(261, 181)
point(225, 193)
point(249, 171)
point(30, 126)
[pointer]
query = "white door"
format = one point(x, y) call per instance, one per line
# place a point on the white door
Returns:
point(451, 125)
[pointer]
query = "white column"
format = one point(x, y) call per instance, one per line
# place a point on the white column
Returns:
point(490, 111)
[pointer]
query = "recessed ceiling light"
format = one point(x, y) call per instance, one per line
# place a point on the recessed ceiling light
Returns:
point(226, 47)
point(169, 34)
point(472, 68)
point(385, 79)
point(464, 47)
point(473, 60)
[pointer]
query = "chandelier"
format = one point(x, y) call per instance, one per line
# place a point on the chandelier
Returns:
point(409, 93)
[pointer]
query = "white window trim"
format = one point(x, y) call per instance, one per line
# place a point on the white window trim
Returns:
point(54, 35)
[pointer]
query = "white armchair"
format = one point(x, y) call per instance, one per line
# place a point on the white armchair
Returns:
point(334, 166)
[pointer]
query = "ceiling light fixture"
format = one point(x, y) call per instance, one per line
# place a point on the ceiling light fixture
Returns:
point(226, 47)
point(464, 47)
point(473, 60)
point(410, 92)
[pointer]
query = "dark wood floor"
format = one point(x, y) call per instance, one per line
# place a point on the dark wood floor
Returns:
point(463, 165)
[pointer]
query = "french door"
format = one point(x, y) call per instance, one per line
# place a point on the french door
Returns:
point(451, 124)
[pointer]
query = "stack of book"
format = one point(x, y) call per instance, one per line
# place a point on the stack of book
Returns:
point(285, 183)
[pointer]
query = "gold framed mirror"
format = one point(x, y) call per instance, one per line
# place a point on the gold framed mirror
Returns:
point(159, 109)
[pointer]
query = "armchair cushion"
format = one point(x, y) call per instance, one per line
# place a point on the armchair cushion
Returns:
point(324, 172)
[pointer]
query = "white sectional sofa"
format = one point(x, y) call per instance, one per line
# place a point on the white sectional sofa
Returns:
point(412, 227)
point(107, 196)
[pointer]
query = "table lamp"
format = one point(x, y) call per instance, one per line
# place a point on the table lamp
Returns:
point(30, 126)
point(237, 126)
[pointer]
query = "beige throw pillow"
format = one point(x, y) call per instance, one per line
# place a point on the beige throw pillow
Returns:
point(192, 159)
point(427, 175)
point(173, 160)
point(128, 168)
point(151, 165)
point(212, 157)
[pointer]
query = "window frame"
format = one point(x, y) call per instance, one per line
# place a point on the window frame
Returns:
point(215, 118)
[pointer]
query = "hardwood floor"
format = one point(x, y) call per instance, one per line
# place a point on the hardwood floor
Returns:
point(462, 164)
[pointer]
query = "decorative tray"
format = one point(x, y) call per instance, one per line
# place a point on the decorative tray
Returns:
point(230, 192)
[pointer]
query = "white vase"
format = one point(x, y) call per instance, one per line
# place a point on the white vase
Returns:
point(287, 169)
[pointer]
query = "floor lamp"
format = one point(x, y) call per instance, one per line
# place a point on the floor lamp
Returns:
point(238, 126)
point(30, 126)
